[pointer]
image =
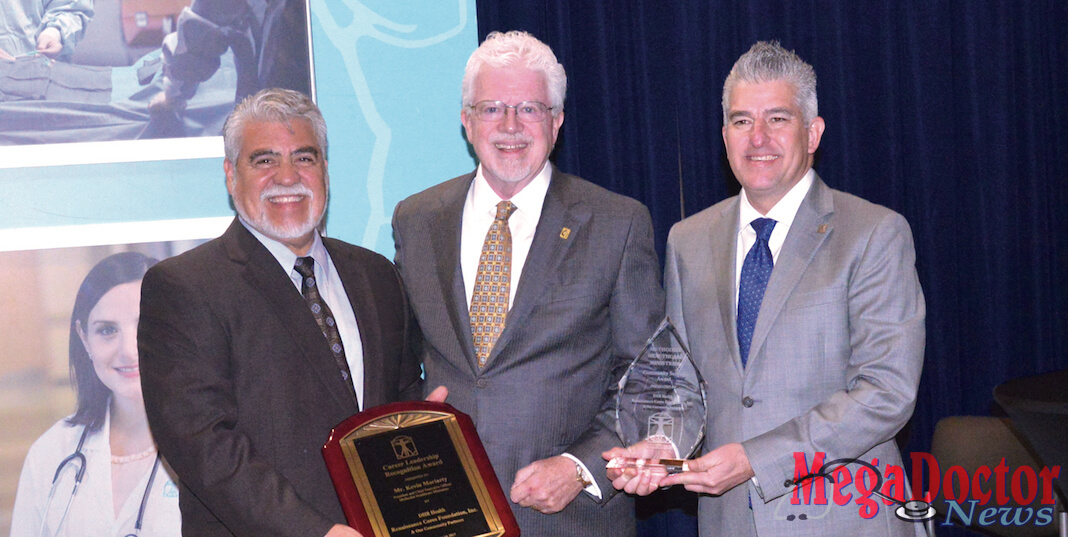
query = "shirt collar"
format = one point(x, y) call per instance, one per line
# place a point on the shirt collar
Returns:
point(527, 201)
point(283, 254)
point(784, 211)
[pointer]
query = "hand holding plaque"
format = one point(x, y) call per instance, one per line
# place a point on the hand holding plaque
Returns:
point(660, 406)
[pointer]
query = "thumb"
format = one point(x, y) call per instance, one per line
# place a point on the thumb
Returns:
point(438, 395)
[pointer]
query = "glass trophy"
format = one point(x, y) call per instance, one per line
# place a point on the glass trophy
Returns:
point(660, 405)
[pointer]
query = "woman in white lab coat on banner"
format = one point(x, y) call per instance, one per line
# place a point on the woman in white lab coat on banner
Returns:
point(97, 471)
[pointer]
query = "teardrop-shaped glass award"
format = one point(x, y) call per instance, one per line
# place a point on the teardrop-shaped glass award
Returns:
point(660, 405)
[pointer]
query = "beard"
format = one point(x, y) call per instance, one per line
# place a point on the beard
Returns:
point(512, 168)
point(286, 231)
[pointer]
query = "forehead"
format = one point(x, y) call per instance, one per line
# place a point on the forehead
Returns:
point(122, 296)
point(278, 136)
point(760, 97)
point(510, 84)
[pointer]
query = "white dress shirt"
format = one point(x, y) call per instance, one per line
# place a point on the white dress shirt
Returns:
point(480, 210)
point(332, 291)
point(782, 213)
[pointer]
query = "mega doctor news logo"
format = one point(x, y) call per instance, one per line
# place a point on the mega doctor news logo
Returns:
point(981, 498)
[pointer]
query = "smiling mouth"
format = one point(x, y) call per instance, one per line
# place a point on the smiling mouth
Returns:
point(129, 370)
point(515, 146)
point(763, 158)
point(286, 199)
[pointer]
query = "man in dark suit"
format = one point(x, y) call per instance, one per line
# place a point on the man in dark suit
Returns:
point(802, 308)
point(243, 376)
point(533, 289)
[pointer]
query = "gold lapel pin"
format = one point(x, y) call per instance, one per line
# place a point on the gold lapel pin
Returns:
point(565, 233)
point(822, 228)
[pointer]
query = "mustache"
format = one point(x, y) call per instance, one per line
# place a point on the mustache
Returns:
point(298, 189)
point(518, 138)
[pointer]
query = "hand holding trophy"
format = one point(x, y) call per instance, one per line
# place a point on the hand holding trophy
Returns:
point(660, 407)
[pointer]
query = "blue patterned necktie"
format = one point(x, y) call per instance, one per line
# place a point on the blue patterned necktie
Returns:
point(323, 316)
point(755, 273)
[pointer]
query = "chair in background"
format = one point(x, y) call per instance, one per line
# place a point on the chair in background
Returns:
point(1038, 407)
point(974, 441)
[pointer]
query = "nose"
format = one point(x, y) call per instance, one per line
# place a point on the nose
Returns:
point(758, 136)
point(129, 343)
point(510, 123)
point(287, 173)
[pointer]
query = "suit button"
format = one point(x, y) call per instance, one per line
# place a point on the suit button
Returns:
point(481, 383)
point(747, 402)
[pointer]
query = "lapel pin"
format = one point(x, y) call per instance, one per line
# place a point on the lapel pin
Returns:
point(565, 233)
point(822, 228)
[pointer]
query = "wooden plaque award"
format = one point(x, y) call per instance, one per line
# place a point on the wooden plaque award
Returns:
point(416, 469)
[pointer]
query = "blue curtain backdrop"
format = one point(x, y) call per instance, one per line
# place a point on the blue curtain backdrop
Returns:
point(951, 112)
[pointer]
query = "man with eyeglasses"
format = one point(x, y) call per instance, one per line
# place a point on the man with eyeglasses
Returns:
point(533, 289)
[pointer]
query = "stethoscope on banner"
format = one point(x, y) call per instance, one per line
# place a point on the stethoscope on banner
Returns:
point(908, 510)
point(77, 459)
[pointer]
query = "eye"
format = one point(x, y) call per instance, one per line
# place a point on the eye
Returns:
point(106, 330)
point(741, 122)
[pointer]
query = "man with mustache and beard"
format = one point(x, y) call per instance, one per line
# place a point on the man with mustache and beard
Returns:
point(533, 289)
point(255, 345)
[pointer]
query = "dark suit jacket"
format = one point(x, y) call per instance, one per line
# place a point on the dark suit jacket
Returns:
point(588, 298)
point(242, 391)
point(834, 364)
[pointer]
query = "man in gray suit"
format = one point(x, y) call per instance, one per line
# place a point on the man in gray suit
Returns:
point(821, 288)
point(533, 289)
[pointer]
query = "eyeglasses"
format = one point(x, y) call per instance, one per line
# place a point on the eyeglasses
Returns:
point(526, 111)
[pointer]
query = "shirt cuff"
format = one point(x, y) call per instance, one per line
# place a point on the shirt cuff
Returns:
point(593, 489)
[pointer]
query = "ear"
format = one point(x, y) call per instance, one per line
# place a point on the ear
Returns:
point(228, 167)
point(558, 120)
point(815, 134)
point(466, 119)
point(83, 336)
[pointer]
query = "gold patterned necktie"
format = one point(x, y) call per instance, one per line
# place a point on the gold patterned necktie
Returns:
point(489, 299)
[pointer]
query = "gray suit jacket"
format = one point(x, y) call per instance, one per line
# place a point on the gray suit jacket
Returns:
point(242, 390)
point(586, 303)
point(835, 360)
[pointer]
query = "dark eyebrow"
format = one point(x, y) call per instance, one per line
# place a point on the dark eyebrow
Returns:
point(783, 110)
point(308, 149)
point(255, 155)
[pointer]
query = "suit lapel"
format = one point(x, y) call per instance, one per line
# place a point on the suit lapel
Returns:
point(561, 210)
point(797, 252)
point(724, 237)
point(355, 282)
point(263, 273)
point(446, 222)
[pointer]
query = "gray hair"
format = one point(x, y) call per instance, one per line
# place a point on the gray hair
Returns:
point(522, 49)
point(271, 105)
point(769, 62)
